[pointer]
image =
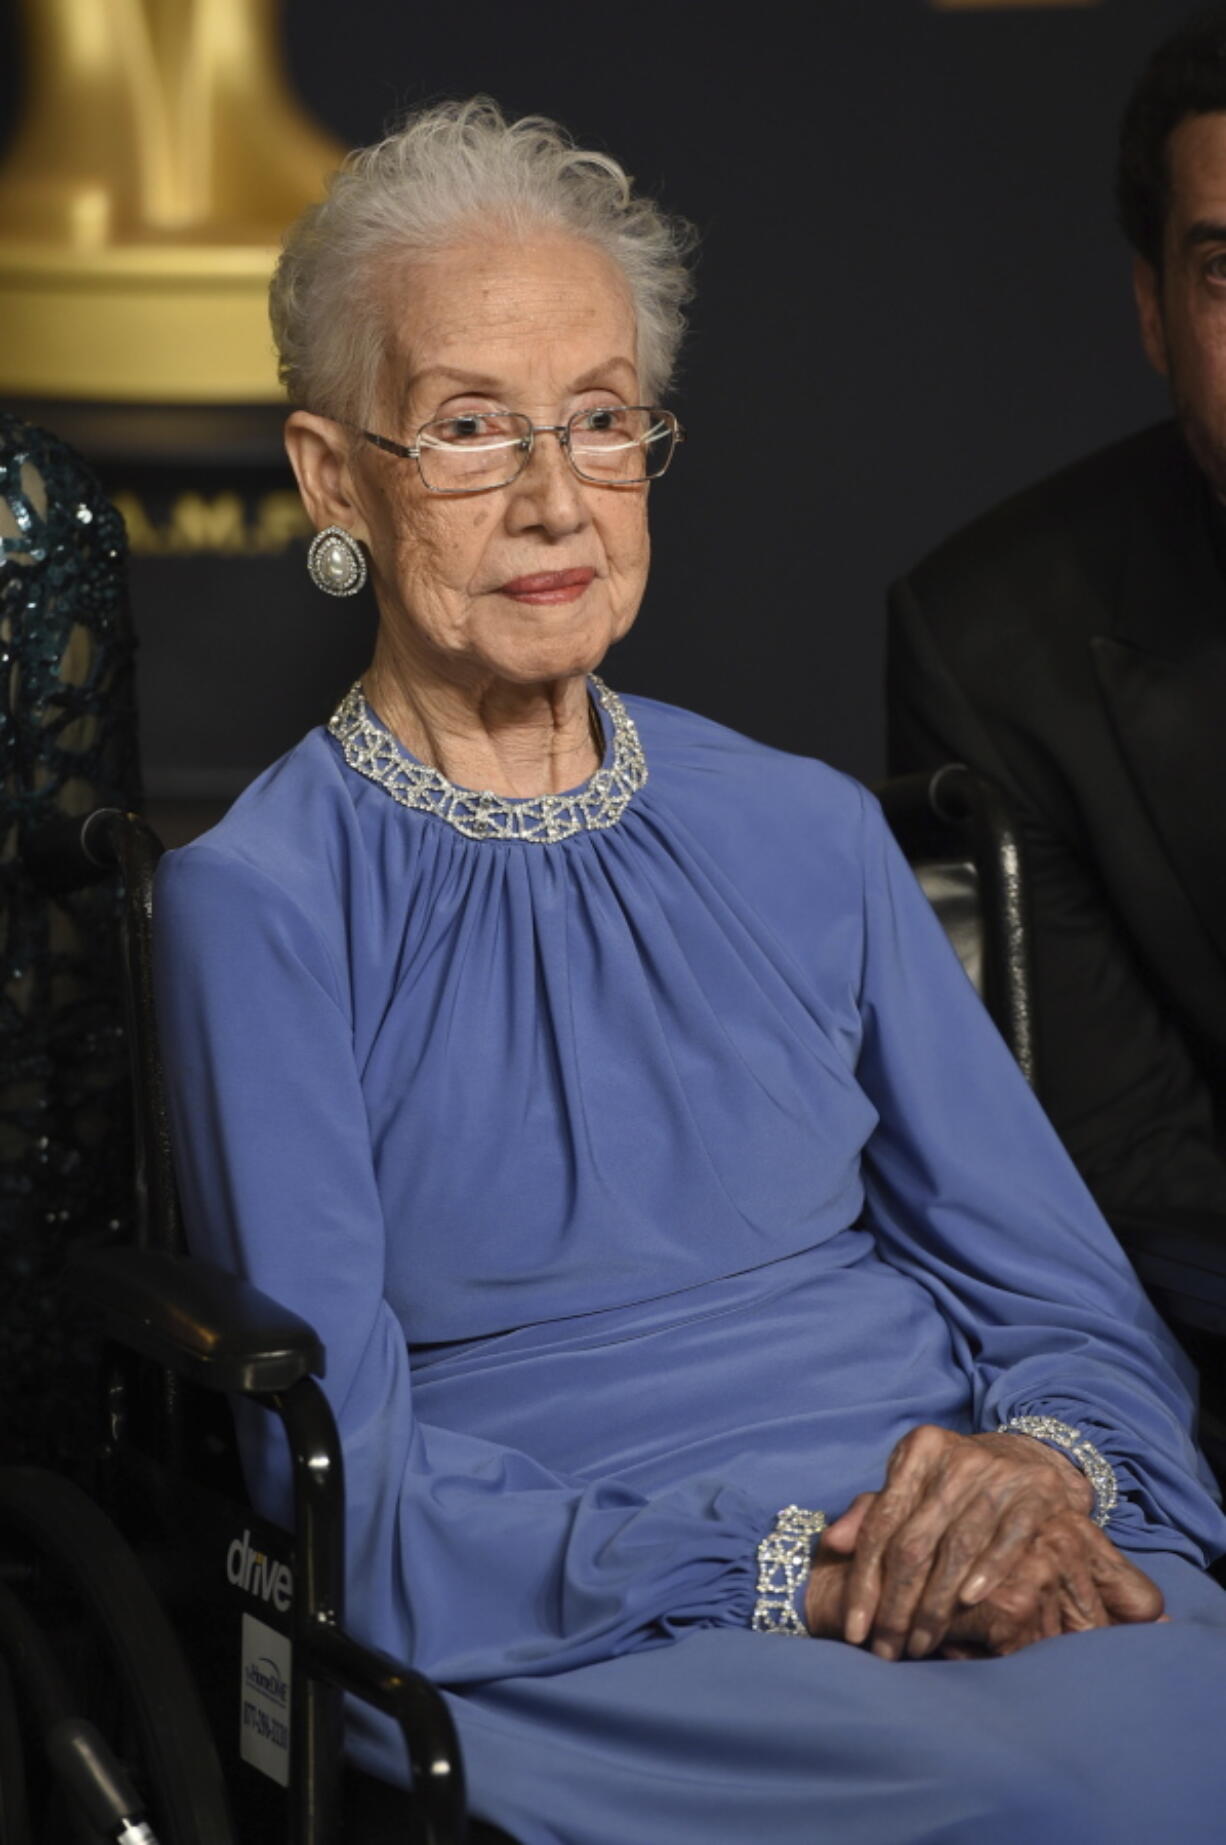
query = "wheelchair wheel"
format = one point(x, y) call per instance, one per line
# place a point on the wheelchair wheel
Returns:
point(81, 1581)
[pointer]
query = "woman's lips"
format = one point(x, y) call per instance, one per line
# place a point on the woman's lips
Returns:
point(548, 586)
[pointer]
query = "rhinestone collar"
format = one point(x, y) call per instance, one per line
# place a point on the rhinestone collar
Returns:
point(541, 820)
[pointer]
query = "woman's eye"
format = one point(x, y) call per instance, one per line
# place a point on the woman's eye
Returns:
point(600, 419)
point(1215, 267)
point(468, 426)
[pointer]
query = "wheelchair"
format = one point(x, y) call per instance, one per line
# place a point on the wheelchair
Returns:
point(259, 1611)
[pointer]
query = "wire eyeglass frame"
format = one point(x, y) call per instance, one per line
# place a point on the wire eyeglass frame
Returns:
point(524, 445)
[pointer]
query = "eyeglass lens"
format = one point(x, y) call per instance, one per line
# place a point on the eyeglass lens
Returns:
point(610, 444)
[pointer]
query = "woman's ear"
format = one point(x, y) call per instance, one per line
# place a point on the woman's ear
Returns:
point(319, 450)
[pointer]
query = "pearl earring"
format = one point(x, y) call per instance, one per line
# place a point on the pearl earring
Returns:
point(335, 562)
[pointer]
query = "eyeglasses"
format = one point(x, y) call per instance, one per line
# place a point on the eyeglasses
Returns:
point(612, 445)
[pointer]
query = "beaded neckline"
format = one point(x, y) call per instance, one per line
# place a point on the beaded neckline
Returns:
point(542, 820)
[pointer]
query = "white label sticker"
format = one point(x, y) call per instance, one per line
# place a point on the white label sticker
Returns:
point(264, 1699)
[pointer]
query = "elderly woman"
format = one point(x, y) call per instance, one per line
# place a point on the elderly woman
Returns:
point(600, 1085)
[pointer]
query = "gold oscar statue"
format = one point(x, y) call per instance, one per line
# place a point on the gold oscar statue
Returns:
point(159, 159)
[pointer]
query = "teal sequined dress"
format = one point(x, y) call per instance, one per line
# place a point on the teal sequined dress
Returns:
point(67, 744)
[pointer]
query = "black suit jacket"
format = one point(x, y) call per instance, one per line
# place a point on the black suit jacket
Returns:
point(1072, 645)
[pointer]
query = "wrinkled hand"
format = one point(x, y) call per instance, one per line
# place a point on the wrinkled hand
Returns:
point(975, 1543)
point(1040, 1599)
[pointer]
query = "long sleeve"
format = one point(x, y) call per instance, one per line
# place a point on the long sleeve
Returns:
point(970, 1192)
point(1117, 1076)
point(470, 1559)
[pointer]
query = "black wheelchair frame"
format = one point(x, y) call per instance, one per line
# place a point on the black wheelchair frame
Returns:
point(961, 839)
point(199, 1329)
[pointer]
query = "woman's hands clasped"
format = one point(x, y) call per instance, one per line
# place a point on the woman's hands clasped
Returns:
point(975, 1544)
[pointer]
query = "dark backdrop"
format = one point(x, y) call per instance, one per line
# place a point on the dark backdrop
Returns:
point(912, 299)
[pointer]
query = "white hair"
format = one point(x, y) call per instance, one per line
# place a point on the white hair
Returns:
point(449, 170)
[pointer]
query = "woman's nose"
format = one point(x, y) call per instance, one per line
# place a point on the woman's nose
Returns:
point(549, 491)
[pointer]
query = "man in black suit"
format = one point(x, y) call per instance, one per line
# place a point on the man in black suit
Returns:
point(1071, 644)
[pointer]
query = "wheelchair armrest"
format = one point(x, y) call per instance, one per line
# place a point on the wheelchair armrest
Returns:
point(1180, 1258)
point(197, 1320)
point(418, 1707)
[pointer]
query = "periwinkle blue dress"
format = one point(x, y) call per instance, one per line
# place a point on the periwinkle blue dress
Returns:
point(647, 1165)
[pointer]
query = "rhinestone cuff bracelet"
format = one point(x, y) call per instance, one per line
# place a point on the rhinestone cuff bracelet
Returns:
point(1096, 1468)
point(784, 1559)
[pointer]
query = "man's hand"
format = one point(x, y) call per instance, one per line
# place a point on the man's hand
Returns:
point(979, 1543)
